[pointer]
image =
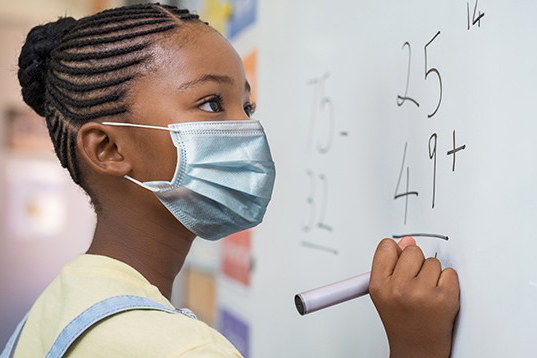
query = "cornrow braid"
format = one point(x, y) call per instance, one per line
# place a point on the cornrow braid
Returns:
point(113, 29)
point(74, 71)
point(109, 39)
point(113, 20)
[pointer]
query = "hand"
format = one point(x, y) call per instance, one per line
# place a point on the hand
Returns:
point(416, 300)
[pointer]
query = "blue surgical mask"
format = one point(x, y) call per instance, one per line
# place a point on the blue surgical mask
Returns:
point(224, 176)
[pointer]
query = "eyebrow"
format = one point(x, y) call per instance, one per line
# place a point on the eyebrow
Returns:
point(212, 78)
point(206, 78)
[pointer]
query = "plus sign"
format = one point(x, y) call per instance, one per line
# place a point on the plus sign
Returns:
point(455, 150)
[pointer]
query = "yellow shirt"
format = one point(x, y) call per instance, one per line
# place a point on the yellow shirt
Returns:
point(139, 333)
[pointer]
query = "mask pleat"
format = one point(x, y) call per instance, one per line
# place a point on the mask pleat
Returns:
point(242, 179)
point(244, 204)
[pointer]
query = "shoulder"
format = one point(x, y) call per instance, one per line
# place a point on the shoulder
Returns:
point(210, 350)
point(144, 333)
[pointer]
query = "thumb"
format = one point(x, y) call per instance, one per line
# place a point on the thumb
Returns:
point(406, 241)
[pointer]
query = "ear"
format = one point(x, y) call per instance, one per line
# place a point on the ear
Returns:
point(98, 145)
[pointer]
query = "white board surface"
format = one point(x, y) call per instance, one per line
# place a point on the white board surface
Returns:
point(330, 74)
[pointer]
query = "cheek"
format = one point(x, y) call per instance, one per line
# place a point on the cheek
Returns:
point(170, 161)
point(159, 156)
point(165, 160)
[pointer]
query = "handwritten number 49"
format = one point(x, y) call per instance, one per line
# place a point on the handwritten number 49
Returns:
point(407, 192)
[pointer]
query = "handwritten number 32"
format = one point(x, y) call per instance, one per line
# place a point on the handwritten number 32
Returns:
point(312, 203)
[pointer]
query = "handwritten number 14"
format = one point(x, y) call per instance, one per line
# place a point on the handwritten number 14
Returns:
point(476, 16)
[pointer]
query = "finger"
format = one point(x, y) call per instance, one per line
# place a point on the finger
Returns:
point(449, 280)
point(385, 259)
point(406, 241)
point(409, 263)
point(430, 271)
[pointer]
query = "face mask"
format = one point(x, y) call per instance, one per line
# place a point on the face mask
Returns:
point(224, 176)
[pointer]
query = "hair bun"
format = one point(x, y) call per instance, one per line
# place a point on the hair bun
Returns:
point(34, 58)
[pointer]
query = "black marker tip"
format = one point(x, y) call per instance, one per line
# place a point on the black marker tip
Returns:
point(299, 305)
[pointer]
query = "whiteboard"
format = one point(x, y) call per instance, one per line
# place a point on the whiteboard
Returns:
point(338, 96)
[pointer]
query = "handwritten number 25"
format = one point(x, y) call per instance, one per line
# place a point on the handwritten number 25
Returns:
point(428, 72)
point(402, 99)
point(432, 70)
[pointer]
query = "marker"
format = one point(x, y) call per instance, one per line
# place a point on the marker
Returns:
point(332, 294)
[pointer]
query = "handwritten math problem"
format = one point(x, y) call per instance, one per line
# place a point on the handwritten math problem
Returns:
point(321, 135)
point(404, 189)
point(423, 70)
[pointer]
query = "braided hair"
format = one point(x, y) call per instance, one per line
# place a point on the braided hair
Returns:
point(74, 71)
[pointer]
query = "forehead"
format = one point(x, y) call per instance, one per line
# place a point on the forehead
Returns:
point(194, 50)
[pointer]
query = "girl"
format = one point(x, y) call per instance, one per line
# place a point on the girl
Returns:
point(148, 109)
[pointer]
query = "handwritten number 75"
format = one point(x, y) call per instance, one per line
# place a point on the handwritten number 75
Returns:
point(322, 110)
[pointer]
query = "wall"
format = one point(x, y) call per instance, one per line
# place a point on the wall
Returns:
point(45, 220)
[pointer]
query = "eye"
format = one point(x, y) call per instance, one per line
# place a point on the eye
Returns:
point(249, 109)
point(212, 104)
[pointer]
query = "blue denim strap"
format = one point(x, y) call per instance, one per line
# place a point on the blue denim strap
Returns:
point(88, 318)
point(8, 350)
point(98, 312)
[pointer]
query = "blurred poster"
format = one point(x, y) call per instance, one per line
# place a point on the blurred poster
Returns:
point(235, 330)
point(244, 14)
point(36, 206)
point(217, 13)
point(250, 68)
point(100, 5)
point(26, 131)
point(199, 294)
point(204, 255)
point(236, 257)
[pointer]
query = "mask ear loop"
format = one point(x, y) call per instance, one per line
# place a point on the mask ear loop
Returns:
point(124, 124)
point(145, 186)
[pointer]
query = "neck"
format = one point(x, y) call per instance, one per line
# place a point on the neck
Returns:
point(154, 245)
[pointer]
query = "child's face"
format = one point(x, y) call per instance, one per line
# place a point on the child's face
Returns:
point(196, 76)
